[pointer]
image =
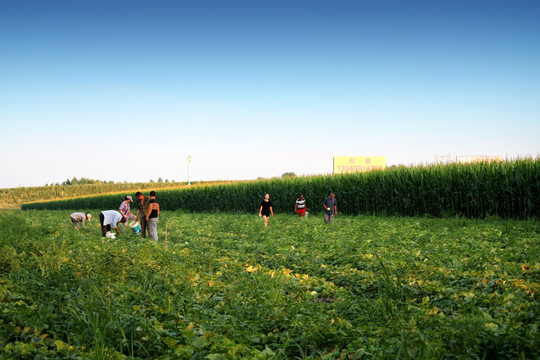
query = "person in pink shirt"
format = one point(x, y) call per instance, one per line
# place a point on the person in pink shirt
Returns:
point(125, 210)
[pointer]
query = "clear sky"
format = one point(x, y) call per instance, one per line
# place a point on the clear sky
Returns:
point(125, 90)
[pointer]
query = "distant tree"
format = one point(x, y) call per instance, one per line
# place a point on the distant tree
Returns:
point(74, 181)
point(160, 180)
point(167, 181)
point(288, 175)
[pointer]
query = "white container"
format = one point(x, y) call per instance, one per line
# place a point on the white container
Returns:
point(110, 235)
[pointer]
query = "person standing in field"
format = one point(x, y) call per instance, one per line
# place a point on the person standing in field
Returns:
point(111, 218)
point(78, 218)
point(300, 206)
point(152, 216)
point(330, 208)
point(142, 211)
point(125, 210)
point(266, 209)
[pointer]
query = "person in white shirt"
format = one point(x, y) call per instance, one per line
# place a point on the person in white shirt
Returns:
point(111, 218)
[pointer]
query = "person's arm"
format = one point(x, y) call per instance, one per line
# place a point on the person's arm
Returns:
point(83, 219)
point(335, 209)
point(296, 207)
point(121, 209)
point(260, 211)
point(116, 227)
point(271, 211)
point(128, 210)
point(325, 207)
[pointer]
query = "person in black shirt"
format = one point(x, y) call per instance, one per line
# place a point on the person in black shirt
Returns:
point(152, 216)
point(266, 209)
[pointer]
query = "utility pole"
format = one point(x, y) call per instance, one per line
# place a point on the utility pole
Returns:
point(188, 163)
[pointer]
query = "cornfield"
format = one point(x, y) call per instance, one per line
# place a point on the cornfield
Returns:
point(504, 189)
point(13, 198)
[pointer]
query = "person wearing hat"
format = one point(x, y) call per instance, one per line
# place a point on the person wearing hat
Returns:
point(78, 218)
point(111, 218)
point(126, 211)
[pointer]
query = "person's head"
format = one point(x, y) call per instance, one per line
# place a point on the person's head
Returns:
point(129, 199)
point(301, 197)
point(332, 195)
point(88, 216)
point(152, 193)
point(266, 196)
point(139, 195)
point(124, 220)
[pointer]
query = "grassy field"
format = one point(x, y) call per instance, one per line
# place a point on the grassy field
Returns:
point(225, 287)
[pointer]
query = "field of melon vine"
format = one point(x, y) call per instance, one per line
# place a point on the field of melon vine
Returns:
point(226, 287)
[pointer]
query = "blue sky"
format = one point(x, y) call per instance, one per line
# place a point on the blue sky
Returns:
point(125, 90)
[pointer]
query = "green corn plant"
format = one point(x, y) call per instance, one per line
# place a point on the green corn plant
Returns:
point(506, 189)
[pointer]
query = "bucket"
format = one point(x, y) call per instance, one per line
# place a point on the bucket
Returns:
point(134, 225)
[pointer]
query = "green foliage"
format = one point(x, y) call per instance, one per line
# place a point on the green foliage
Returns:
point(15, 197)
point(82, 181)
point(226, 287)
point(504, 189)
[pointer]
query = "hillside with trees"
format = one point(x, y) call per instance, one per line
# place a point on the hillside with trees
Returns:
point(13, 198)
